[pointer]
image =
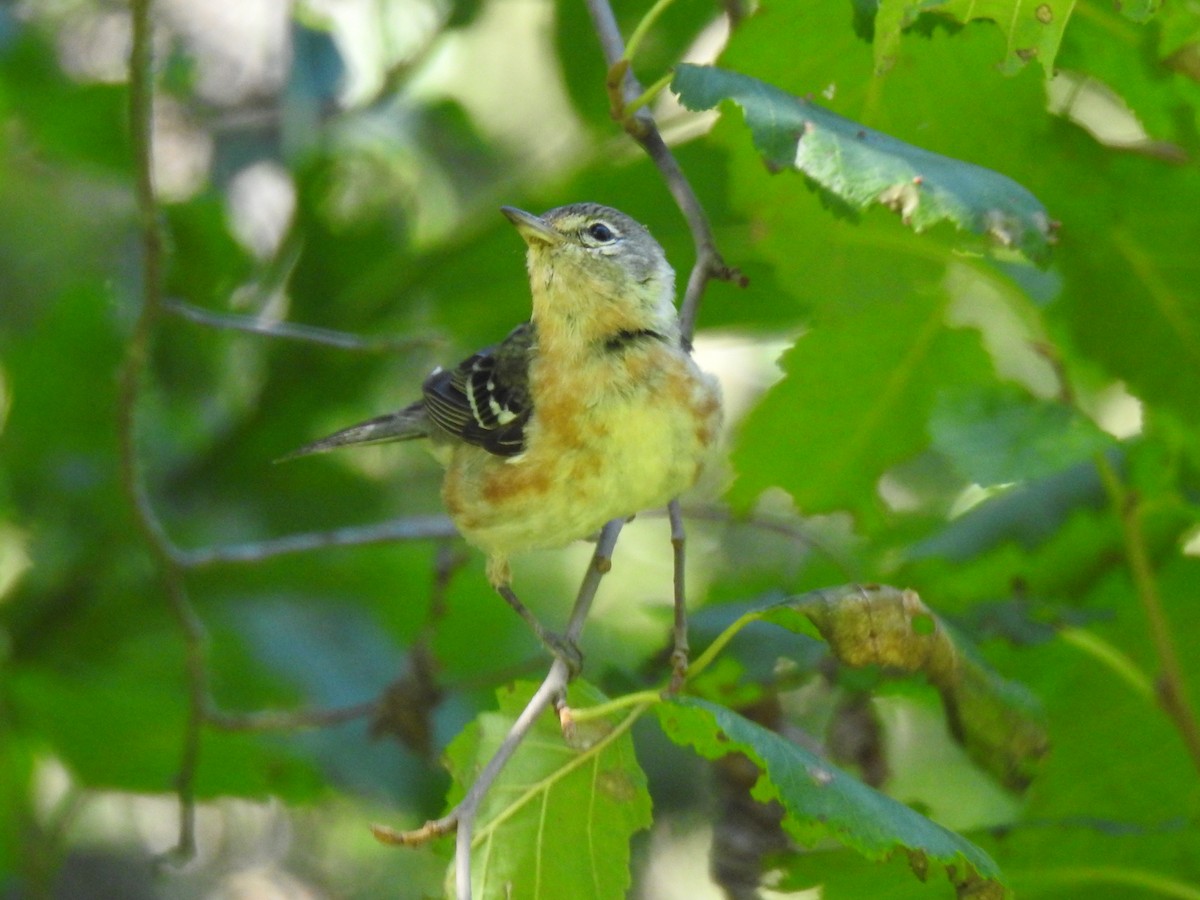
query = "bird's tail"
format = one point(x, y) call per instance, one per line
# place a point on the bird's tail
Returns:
point(405, 425)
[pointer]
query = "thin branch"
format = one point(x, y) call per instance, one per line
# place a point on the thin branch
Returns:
point(1171, 685)
point(132, 372)
point(1112, 658)
point(600, 565)
point(409, 528)
point(292, 720)
point(679, 653)
point(796, 529)
point(553, 687)
point(294, 331)
point(462, 816)
point(624, 91)
point(405, 711)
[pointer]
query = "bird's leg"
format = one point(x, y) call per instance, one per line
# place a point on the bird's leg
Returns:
point(679, 655)
point(560, 647)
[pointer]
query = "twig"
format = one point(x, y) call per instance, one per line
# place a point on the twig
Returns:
point(409, 528)
point(133, 368)
point(797, 530)
point(1171, 684)
point(643, 28)
point(293, 331)
point(405, 711)
point(599, 567)
point(640, 126)
point(462, 817)
point(1112, 658)
point(553, 687)
point(293, 720)
point(679, 654)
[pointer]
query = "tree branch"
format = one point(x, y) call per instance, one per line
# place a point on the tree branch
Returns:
point(291, 720)
point(553, 687)
point(679, 652)
point(132, 372)
point(409, 528)
point(1171, 684)
point(293, 331)
point(623, 91)
point(793, 528)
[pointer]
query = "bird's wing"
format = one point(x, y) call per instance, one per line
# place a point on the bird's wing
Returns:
point(485, 400)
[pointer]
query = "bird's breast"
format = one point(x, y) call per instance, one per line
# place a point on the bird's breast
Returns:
point(607, 439)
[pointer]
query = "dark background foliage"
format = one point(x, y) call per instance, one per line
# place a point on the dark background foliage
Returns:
point(1016, 442)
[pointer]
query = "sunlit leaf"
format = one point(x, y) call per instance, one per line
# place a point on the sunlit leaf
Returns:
point(860, 167)
point(998, 435)
point(558, 821)
point(853, 403)
point(822, 801)
point(1032, 29)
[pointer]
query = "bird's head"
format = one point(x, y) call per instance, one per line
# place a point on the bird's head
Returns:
point(596, 271)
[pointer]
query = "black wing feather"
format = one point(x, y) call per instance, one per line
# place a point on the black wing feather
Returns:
point(484, 400)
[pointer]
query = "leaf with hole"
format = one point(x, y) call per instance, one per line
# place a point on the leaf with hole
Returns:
point(855, 167)
point(821, 801)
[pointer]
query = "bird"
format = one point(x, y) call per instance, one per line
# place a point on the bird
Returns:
point(592, 410)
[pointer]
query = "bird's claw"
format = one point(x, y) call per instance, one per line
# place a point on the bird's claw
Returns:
point(565, 650)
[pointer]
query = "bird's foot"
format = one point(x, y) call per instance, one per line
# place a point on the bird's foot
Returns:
point(564, 649)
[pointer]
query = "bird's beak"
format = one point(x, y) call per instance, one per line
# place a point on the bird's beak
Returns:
point(532, 228)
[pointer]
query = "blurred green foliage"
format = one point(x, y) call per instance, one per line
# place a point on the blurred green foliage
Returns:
point(938, 423)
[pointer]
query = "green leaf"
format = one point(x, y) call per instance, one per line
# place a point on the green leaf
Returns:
point(144, 716)
point(996, 435)
point(857, 167)
point(854, 403)
point(582, 61)
point(82, 124)
point(1139, 10)
point(207, 263)
point(1130, 268)
point(1179, 28)
point(16, 786)
point(842, 876)
point(558, 820)
point(998, 721)
point(1032, 29)
point(821, 801)
point(1126, 59)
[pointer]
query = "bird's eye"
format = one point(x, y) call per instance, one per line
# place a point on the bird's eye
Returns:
point(600, 232)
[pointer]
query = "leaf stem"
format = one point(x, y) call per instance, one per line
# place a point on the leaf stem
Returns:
point(705, 659)
point(643, 28)
point(587, 713)
point(648, 95)
point(1137, 878)
point(1171, 687)
point(1111, 657)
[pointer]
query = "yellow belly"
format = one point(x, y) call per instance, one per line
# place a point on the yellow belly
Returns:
point(595, 452)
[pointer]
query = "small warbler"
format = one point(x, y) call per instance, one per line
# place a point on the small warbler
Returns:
point(591, 411)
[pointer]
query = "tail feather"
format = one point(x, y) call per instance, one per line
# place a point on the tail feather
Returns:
point(407, 424)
